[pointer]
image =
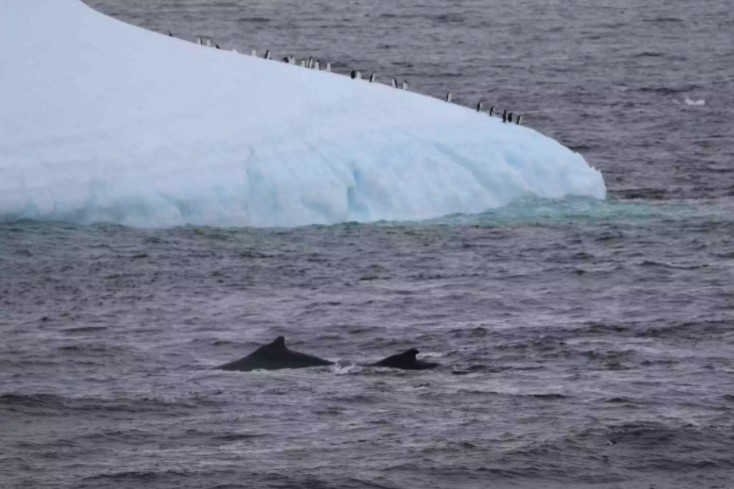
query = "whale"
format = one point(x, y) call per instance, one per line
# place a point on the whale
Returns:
point(405, 361)
point(274, 356)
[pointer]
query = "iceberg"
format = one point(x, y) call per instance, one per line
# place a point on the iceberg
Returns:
point(102, 121)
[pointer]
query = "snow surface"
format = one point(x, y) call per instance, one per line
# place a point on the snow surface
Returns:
point(104, 121)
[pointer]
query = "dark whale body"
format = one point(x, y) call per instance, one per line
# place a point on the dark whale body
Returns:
point(274, 356)
point(405, 361)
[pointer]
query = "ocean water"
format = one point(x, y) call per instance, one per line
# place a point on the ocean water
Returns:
point(582, 343)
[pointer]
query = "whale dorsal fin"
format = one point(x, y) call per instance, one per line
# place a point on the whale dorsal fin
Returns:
point(412, 353)
point(279, 343)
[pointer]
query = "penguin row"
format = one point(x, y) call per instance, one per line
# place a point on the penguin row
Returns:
point(203, 42)
point(506, 117)
point(357, 75)
point(315, 64)
point(310, 63)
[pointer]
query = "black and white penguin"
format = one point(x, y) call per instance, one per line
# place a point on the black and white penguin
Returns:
point(372, 78)
point(328, 67)
point(480, 106)
point(353, 74)
point(448, 97)
point(286, 60)
point(491, 111)
point(395, 82)
point(519, 119)
point(359, 75)
point(199, 41)
point(504, 116)
point(217, 46)
point(317, 65)
point(405, 85)
point(170, 34)
point(292, 60)
point(254, 53)
point(303, 63)
point(509, 117)
point(309, 63)
point(267, 54)
point(208, 42)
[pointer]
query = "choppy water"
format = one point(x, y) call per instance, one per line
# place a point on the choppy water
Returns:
point(596, 340)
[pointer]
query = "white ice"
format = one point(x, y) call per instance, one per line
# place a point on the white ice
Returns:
point(104, 121)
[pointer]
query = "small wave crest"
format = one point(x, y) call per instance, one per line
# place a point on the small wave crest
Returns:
point(52, 404)
point(697, 102)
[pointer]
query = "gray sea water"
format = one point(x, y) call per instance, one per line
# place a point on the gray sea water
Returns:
point(595, 340)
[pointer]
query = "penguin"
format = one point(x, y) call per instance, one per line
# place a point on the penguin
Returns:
point(217, 46)
point(208, 42)
point(405, 85)
point(372, 78)
point(359, 75)
point(292, 60)
point(491, 111)
point(309, 63)
point(328, 67)
point(479, 106)
point(170, 34)
point(519, 119)
point(504, 116)
point(254, 53)
point(267, 54)
point(199, 41)
point(353, 74)
point(394, 82)
point(317, 65)
point(303, 63)
point(509, 117)
point(448, 97)
point(286, 60)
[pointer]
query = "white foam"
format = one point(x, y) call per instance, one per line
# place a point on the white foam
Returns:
point(103, 121)
point(698, 102)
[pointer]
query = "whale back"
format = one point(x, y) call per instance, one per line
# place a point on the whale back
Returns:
point(274, 356)
point(405, 361)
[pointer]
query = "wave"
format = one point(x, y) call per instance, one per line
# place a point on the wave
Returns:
point(52, 404)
